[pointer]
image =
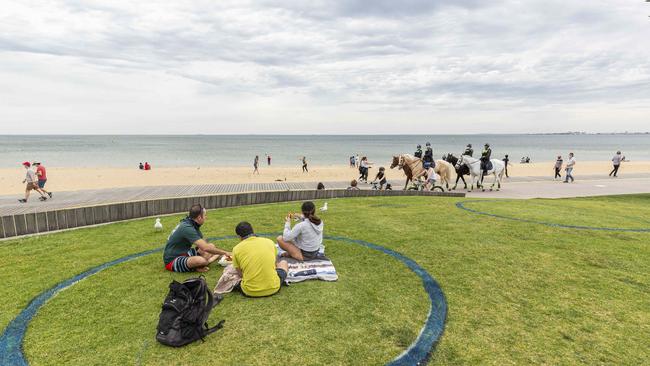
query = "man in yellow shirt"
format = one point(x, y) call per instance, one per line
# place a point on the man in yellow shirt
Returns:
point(255, 259)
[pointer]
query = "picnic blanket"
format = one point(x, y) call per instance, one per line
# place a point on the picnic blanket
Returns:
point(316, 269)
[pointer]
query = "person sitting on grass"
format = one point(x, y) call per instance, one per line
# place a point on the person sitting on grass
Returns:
point(306, 238)
point(179, 256)
point(255, 260)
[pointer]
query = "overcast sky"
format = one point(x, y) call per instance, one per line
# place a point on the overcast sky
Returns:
point(352, 66)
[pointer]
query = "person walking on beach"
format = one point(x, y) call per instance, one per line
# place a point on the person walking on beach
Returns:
point(558, 167)
point(256, 164)
point(357, 161)
point(304, 165)
point(506, 160)
point(31, 184)
point(616, 161)
point(268, 160)
point(41, 174)
point(364, 167)
point(569, 168)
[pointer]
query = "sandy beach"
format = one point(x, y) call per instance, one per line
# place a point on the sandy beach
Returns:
point(72, 179)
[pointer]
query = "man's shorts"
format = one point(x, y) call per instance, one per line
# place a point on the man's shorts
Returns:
point(31, 186)
point(179, 264)
point(41, 183)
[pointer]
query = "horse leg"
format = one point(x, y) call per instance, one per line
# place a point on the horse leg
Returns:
point(465, 183)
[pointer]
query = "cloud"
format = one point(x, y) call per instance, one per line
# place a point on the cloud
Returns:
point(268, 61)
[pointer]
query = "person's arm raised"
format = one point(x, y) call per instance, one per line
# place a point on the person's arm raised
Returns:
point(211, 248)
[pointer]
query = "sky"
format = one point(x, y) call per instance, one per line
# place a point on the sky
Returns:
point(330, 67)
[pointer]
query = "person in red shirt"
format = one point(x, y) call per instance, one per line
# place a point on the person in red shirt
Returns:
point(147, 166)
point(41, 173)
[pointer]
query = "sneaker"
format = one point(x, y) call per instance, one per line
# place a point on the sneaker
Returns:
point(49, 194)
point(22, 200)
point(43, 198)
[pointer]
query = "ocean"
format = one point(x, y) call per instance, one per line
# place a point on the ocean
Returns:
point(240, 150)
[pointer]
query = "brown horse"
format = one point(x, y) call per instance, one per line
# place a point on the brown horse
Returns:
point(414, 169)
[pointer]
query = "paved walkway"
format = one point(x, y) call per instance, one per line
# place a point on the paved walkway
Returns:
point(516, 187)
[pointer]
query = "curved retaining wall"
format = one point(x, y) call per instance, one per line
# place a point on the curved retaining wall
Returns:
point(68, 218)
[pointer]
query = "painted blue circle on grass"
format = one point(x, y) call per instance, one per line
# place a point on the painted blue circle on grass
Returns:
point(462, 206)
point(11, 341)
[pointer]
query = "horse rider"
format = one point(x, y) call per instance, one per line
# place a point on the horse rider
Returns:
point(468, 150)
point(418, 152)
point(428, 157)
point(485, 160)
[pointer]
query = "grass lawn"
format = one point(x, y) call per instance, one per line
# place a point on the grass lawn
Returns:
point(517, 293)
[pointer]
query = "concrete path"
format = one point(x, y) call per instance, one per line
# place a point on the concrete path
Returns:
point(516, 187)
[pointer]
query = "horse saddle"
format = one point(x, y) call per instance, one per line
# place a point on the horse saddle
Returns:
point(486, 165)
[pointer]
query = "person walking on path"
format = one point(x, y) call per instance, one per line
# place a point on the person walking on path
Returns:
point(616, 161)
point(268, 159)
point(256, 164)
point(558, 167)
point(304, 165)
point(569, 168)
point(31, 184)
point(41, 173)
point(506, 160)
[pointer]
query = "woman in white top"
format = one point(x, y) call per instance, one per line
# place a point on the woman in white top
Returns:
point(306, 238)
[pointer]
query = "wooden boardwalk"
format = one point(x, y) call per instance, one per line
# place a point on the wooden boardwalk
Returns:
point(9, 205)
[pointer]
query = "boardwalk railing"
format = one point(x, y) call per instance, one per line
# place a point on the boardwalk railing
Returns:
point(68, 218)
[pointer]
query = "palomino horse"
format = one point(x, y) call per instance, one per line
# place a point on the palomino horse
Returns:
point(461, 169)
point(474, 166)
point(414, 169)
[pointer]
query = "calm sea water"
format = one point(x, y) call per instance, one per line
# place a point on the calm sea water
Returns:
point(170, 151)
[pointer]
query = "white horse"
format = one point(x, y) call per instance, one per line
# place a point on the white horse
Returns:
point(474, 166)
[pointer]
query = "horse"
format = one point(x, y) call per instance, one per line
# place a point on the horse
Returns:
point(474, 166)
point(414, 169)
point(461, 169)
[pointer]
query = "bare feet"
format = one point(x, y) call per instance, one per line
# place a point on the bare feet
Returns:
point(203, 269)
point(213, 258)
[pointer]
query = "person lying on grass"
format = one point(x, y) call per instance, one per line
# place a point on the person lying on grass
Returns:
point(306, 238)
point(179, 256)
point(255, 260)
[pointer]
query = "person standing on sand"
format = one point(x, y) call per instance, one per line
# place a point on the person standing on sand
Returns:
point(256, 164)
point(506, 160)
point(304, 165)
point(41, 173)
point(558, 167)
point(616, 161)
point(32, 184)
point(569, 168)
point(357, 161)
point(268, 159)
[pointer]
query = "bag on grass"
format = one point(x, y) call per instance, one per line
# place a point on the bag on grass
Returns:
point(185, 312)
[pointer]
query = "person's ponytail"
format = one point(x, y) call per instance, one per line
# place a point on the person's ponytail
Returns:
point(309, 212)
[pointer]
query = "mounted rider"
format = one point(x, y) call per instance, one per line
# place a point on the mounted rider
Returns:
point(468, 150)
point(427, 160)
point(486, 154)
point(418, 152)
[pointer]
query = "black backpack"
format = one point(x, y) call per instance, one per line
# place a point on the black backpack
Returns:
point(185, 312)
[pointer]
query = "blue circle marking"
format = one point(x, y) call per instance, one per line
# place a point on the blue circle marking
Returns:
point(11, 341)
point(462, 206)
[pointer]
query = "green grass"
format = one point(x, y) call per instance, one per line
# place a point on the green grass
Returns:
point(517, 293)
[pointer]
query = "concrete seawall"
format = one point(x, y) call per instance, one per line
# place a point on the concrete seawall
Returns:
point(68, 218)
